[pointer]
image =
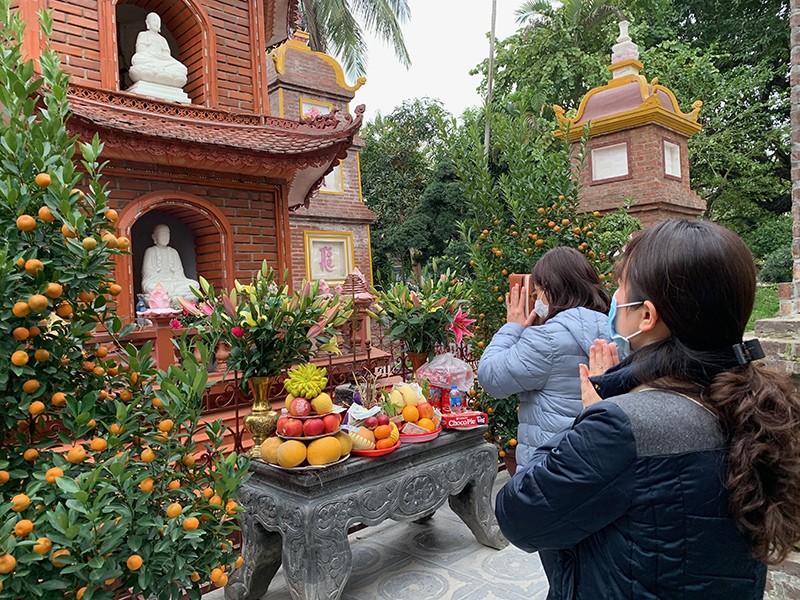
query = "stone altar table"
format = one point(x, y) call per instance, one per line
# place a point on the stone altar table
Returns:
point(302, 518)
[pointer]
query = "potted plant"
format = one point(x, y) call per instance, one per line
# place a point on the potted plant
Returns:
point(269, 329)
point(427, 317)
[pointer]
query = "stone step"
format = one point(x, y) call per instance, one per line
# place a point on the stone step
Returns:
point(779, 327)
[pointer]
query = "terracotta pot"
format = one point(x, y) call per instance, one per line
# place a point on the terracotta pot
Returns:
point(262, 419)
point(510, 461)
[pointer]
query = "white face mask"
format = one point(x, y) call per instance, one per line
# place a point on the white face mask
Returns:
point(541, 309)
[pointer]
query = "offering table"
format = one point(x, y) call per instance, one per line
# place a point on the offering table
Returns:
point(301, 518)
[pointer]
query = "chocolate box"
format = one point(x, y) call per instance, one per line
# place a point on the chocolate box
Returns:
point(465, 420)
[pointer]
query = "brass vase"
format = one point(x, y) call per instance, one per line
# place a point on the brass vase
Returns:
point(417, 359)
point(262, 419)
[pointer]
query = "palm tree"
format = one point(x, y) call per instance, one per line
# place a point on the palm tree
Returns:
point(334, 28)
point(583, 17)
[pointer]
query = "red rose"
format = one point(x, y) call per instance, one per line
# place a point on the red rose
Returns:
point(237, 332)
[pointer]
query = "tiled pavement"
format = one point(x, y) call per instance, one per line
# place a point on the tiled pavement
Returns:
point(438, 559)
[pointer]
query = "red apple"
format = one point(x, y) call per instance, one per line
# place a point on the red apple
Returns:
point(293, 428)
point(331, 422)
point(371, 422)
point(313, 427)
point(425, 410)
point(383, 419)
point(299, 407)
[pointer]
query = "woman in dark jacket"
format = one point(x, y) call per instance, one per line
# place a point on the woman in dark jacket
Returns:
point(684, 480)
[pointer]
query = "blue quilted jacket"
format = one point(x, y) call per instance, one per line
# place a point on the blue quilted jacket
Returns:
point(541, 365)
point(630, 503)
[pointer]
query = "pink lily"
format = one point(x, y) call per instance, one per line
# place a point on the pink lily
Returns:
point(189, 307)
point(316, 329)
point(415, 299)
point(229, 307)
point(440, 302)
point(460, 325)
point(206, 309)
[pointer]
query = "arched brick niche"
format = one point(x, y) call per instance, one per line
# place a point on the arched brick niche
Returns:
point(189, 216)
point(183, 22)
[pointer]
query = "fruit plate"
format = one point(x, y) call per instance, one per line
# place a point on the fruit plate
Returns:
point(334, 411)
point(309, 467)
point(376, 452)
point(415, 438)
point(305, 438)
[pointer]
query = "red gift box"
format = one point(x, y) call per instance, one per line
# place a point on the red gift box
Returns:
point(465, 420)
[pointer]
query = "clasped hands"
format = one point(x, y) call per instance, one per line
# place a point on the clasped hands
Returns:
point(602, 356)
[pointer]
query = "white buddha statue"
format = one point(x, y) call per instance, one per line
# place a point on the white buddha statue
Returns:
point(162, 265)
point(153, 69)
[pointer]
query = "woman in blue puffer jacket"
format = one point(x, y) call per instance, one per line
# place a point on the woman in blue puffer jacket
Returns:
point(684, 480)
point(536, 355)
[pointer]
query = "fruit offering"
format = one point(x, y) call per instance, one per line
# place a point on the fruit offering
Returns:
point(378, 433)
point(306, 381)
point(295, 454)
point(290, 427)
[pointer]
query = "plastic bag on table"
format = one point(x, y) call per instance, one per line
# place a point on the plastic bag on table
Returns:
point(445, 371)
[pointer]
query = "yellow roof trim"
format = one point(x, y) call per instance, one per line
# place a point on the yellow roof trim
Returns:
point(279, 58)
point(644, 115)
point(631, 62)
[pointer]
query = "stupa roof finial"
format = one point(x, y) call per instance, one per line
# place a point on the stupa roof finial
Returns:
point(625, 54)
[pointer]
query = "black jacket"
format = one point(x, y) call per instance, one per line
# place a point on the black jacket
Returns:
point(630, 503)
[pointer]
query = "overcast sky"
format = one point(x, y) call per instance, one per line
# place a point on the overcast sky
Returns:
point(445, 38)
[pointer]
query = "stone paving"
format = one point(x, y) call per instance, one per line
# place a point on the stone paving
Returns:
point(438, 559)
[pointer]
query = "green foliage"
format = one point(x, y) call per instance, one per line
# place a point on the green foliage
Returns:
point(777, 266)
point(503, 418)
point(768, 234)
point(85, 428)
point(766, 305)
point(270, 329)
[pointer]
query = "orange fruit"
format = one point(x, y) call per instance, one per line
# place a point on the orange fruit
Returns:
point(148, 455)
point(382, 431)
point(147, 485)
point(239, 562)
point(115, 289)
point(101, 352)
point(426, 424)
point(98, 444)
point(231, 507)
point(26, 223)
point(19, 358)
point(89, 243)
point(80, 593)
point(4, 477)
point(99, 371)
point(64, 310)
point(166, 425)
point(41, 355)
point(38, 302)
point(31, 454)
point(34, 331)
point(20, 502)
point(45, 215)
point(43, 180)
point(74, 191)
point(88, 366)
point(208, 492)
point(134, 562)
point(67, 232)
point(21, 309)
point(123, 243)
point(116, 429)
point(59, 399)
point(20, 334)
point(86, 297)
point(174, 484)
point(195, 576)
point(125, 395)
point(76, 454)
point(173, 510)
point(110, 239)
point(222, 582)
point(384, 443)
point(36, 408)
point(512, 442)
point(30, 386)
point(111, 215)
point(215, 500)
point(188, 460)
point(23, 527)
point(410, 414)
point(42, 545)
point(216, 574)
point(191, 523)
point(54, 559)
point(7, 564)
point(53, 474)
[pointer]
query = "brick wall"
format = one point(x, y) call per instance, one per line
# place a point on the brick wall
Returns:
point(76, 38)
point(655, 196)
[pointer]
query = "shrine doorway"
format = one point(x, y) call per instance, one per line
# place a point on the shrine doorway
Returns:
point(199, 232)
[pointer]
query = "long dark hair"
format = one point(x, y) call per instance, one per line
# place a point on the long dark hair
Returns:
point(569, 280)
point(701, 279)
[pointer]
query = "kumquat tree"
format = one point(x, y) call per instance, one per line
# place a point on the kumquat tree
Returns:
point(107, 483)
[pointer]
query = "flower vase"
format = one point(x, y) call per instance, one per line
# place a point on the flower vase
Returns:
point(417, 359)
point(221, 356)
point(262, 419)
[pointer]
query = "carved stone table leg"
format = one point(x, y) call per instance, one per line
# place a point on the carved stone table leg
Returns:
point(261, 550)
point(317, 564)
point(474, 503)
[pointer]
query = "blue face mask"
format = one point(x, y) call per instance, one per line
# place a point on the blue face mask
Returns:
point(622, 342)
